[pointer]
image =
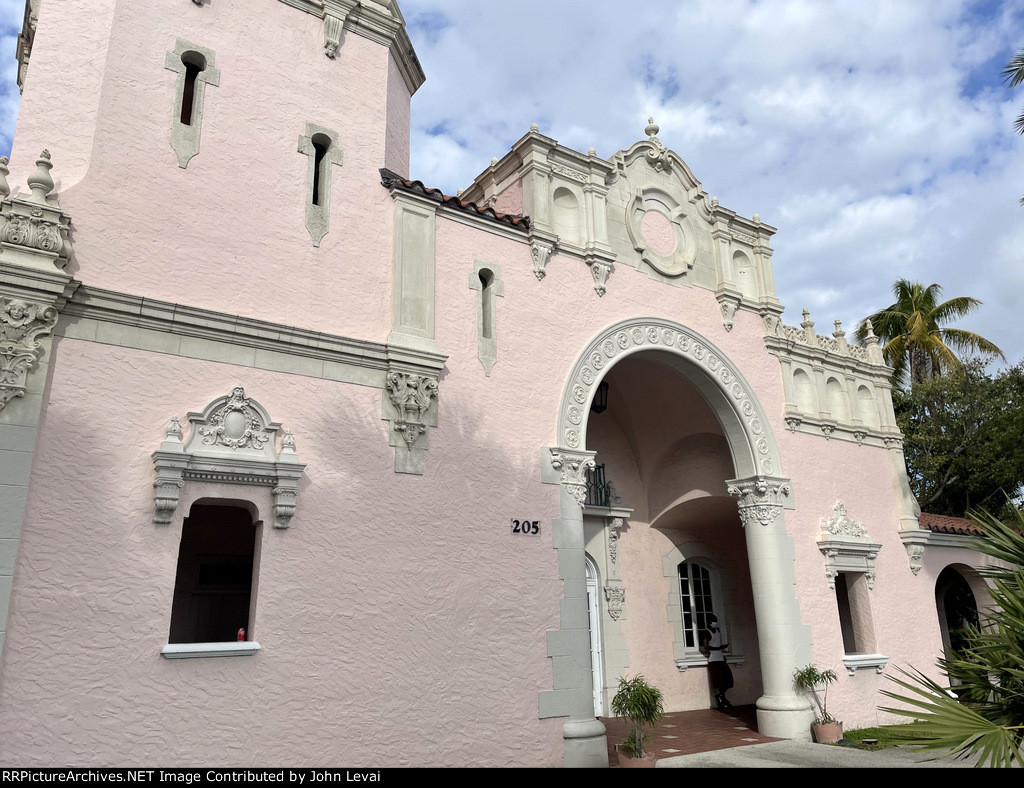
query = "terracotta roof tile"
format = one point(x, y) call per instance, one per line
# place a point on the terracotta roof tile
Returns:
point(943, 524)
point(392, 180)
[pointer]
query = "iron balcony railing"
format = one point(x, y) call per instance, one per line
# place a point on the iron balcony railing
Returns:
point(598, 490)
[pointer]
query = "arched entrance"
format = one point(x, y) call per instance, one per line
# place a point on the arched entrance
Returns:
point(757, 489)
point(957, 607)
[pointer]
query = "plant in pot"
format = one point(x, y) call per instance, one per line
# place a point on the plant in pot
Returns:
point(641, 704)
point(826, 729)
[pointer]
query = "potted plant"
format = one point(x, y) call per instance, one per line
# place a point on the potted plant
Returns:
point(641, 704)
point(826, 729)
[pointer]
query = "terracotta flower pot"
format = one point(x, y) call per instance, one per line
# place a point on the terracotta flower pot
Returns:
point(827, 732)
point(628, 762)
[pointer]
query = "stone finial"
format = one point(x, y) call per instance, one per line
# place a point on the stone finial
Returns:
point(591, 151)
point(459, 191)
point(534, 128)
point(5, 189)
point(40, 181)
point(839, 333)
point(288, 443)
point(652, 129)
point(494, 160)
point(714, 202)
point(807, 322)
point(870, 337)
point(757, 219)
point(174, 430)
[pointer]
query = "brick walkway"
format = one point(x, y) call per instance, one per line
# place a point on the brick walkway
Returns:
point(687, 732)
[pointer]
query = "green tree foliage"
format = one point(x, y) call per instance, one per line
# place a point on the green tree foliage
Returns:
point(981, 710)
point(964, 439)
point(914, 341)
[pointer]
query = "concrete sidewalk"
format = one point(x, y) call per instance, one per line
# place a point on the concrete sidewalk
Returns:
point(804, 755)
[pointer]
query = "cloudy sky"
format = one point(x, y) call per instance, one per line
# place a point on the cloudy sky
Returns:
point(877, 135)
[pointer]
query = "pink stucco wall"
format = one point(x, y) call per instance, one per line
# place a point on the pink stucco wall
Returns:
point(401, 621)
point(400, 624)
point(229, 231)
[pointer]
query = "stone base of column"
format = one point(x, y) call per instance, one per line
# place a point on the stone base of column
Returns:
point(787, 717)
point(586, 745)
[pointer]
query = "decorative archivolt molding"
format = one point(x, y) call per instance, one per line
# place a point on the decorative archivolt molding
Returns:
point(640, 334)
point(761, 500)
point(232, 441)
point(22, 325)
point(846, 546)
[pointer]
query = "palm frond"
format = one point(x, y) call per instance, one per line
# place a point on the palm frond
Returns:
point(1013, 74)
point(970, 342)
point(942, 722)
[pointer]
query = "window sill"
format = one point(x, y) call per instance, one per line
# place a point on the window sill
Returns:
point(700, 661)
point(243, 648)
point(854, 661)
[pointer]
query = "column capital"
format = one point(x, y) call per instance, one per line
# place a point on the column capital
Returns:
point(761, 499)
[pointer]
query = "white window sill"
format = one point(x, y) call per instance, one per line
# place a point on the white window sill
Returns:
point(854, 661)
point(243, 648)
point(700, 661)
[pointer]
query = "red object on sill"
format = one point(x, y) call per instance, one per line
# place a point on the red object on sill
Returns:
point(241, 634)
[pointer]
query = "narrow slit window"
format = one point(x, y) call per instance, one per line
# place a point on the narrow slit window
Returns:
point(321, 144)
point(194, 64)
point(487, 304)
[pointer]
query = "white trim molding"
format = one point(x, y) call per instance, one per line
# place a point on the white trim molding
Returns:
point(243, 648)
point(853, 662)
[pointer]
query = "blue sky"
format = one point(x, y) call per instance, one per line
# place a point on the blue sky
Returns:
point(877, 135)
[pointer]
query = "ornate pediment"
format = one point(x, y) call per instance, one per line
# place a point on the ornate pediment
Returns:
point(232, 442)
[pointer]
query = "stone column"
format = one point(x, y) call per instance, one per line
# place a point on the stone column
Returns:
point(783, 640)
point(586, 745)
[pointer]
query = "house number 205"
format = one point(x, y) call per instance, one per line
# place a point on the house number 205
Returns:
point(526, 527)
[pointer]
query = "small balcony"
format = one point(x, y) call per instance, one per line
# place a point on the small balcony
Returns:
point(599, 491)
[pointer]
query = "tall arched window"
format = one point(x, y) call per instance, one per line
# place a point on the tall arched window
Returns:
point(698, 601)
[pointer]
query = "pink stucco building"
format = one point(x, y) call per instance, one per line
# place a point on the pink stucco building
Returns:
point(300, 457)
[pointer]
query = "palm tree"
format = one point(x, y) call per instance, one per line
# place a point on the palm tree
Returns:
point(1013, 74)
point(912, 336)
point(985, 716)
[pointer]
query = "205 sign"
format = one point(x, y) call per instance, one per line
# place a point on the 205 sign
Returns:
point(529, 527)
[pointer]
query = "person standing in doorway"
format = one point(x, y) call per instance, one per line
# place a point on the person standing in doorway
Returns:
point(713, 648)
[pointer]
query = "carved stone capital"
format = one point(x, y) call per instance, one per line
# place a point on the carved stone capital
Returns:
point(22, 325)
point(760, 500)
point(573, 467)
point(410, 404)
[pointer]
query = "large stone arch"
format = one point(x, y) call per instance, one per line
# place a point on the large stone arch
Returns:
point(761, 492)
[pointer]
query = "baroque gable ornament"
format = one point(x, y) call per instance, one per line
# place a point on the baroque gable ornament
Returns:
point(846, 546)
point(22, 325)
point(841, 524)
point(232, 442)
